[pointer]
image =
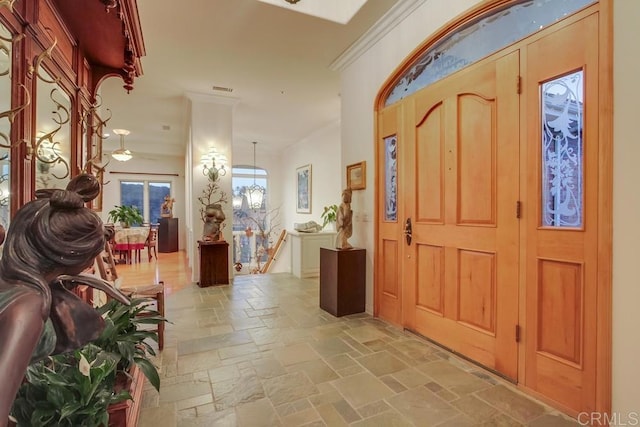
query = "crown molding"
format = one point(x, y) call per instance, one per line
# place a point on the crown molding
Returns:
point(388, 22)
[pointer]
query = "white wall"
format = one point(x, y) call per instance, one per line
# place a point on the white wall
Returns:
point(322, 150)
point(626, 209)
point(361, 82)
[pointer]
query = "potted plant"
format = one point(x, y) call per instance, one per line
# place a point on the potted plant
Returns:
point(125, 215)
point(101, 383)
point(69, 389)
point(329, 215)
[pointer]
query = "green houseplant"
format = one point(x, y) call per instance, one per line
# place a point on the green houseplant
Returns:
point(126, 215)
point(83, 387)
point(329, 215)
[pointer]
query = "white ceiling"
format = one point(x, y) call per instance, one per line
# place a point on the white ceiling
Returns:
point(275, 59)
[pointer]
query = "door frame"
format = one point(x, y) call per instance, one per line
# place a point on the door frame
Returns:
point(605, 186)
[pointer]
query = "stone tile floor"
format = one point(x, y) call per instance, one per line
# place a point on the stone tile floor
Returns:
point(261, 352)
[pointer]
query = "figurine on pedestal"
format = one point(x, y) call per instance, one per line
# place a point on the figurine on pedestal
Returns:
point(166, 210)
point(213, 218)
point(344, 221)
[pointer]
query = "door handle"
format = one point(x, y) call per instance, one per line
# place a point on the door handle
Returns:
point(407, 231)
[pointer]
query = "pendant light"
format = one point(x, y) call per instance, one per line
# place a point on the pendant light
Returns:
point(121, 154)
point(255, 193)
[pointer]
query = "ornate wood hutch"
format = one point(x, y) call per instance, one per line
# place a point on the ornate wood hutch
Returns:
point(53, 56)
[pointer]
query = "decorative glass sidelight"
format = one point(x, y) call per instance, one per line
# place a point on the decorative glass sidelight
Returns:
point(390, 178)
point(480, 38)
point(6, 118)
point(562, 151)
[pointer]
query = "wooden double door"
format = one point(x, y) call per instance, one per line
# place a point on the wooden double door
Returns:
point(464, 256)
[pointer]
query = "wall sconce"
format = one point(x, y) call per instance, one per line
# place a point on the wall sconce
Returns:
point(213, 164)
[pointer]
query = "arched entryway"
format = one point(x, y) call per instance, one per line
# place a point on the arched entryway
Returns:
point(493, 203)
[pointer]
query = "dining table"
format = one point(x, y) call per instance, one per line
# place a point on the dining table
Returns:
point(130, 241)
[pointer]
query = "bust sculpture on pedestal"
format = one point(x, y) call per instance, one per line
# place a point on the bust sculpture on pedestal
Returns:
point(214, 217)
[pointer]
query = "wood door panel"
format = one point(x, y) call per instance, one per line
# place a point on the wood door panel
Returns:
point(560, 330)
point(430, 289)
point(430, 169)
point(461, 272)
point(477, 289)
point(390, 274)
point(561, 261)
point(476, 161)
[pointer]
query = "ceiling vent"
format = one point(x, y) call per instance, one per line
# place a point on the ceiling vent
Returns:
point(222, 89)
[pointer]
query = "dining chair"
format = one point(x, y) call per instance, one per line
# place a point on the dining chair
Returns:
point(107, 269)
point(152, 241)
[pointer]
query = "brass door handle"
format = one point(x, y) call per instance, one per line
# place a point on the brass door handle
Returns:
point(408, 231)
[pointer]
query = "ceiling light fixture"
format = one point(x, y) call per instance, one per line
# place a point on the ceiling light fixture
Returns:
point(121, 154)
point(255, 193)
point(292, 1)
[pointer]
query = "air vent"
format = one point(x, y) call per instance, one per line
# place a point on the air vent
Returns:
point(166, 127)
point(222, 89)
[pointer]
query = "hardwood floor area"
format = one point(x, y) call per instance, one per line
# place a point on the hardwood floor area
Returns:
point(171, 268)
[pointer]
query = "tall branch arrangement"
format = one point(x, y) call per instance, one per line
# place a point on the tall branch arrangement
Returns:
point(211, 194)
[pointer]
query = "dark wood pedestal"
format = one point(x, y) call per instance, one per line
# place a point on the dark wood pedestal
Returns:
point(168, 235)
point(342, 280)
point(214, 263)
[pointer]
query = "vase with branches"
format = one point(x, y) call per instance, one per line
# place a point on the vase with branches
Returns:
point(212, 195)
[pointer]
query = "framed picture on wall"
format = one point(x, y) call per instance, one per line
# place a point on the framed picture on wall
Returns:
point(357, 176)
point(303, 189)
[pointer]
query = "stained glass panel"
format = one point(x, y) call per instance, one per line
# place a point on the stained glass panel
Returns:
point(480, 38)
point(390, 179)
point(562, 151)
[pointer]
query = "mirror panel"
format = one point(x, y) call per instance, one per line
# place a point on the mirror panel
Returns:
point(5, 125)
point(53, 133)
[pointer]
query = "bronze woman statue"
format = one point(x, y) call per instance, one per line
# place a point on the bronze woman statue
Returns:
point(50, 241)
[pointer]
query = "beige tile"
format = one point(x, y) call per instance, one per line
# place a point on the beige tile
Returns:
point(256, 414)
point(302, 418)
point(365, 333)
point(374, 408)
point(237, 350)
point(194, 402)
point(268, 368)
point(361, 389)
point(198, 362)
point(381, 363)
point(213, 342)
point(289, 408)
point(296, 353)
point(289, 387)
point(184, 390)
point(223, 373)
point(474, 408)
point(331, 346)
point(386, 419)
point(236, 391)
point(331, 416)
point(557, 420)
point(512, 403)
point(411, 378)
point(346, 411)
point(422, 406)
point(164, 415)
point(317, 371)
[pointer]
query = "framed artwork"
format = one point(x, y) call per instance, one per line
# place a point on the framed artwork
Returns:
point(303, 189)
point(357, 176)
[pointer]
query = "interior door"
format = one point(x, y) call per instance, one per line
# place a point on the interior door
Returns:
point(461, 266)
point(388, 298)
point(561, 82)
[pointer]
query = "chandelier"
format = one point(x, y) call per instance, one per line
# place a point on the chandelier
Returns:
point(121, 154)
point(255, 193)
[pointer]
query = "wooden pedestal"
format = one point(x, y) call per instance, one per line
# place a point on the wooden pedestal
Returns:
point(342, 281)
point(168, 235)
point(214, 263)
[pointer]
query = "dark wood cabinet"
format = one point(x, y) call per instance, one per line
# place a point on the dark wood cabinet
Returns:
point(342, 280)
point(168, 235)
point(214, 263)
